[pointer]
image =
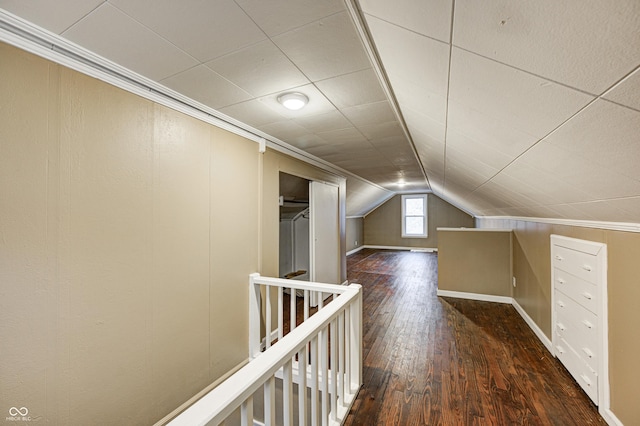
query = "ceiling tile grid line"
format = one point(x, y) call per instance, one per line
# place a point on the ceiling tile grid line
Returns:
point(446, 117)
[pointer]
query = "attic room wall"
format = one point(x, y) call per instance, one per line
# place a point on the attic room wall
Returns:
point(127, 234)
point(355, 233)
point(532, 269)
point(383, 226)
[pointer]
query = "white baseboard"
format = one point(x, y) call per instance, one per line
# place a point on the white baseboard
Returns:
point(502, 299)
point(355, 250)
point(610, 418)
point(425, 249)
point(533, 326)
point(475, 296)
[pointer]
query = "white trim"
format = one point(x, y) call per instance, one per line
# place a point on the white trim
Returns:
point(613, 226)
point(610, 418)
point(163, 421)
point(355, 217)
point(475, 229)
point(474, 296)
point(355, 250)
point(533, 326)
point(426, 249)
point(424, 216)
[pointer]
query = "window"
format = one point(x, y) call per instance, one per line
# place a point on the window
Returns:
point(414, 216)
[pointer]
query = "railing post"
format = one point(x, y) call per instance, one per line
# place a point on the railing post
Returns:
point(254, 316)
point(356, 342)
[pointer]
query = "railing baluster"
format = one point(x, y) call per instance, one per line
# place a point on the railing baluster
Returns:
point(314, 382)
point(267, 319)
point(280, 313)
point(292, 310)
point(255, 312)
point(246, 412)
point(341, 345)
point(306, 305)
point(270, 401)
point(347, 350)
point(355, 312)
point(324, 371)
point(320, 300)
point(302, 385)
point(287, 393)
point(333, 359)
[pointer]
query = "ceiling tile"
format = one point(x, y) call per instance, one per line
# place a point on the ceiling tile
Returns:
point(378, 112)
point(252, 112)
point(349, 90)
point(587, 45)
point(55, 16)
point(528, 103)
point(204, 29)
point(479, 131)
point(418, 71)
point(627, 92)
point(284, 130)
point(605, 134)
point(481, 153)
point(278, 16)
point(248, 67)
point(348, 135)
point(383, 130)
point(428, 17)
point(109, 32)
point(326, 48)
point(608, 211)
point(203, 85)
point(329, 121)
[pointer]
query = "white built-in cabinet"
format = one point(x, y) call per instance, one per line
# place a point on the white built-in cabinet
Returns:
point(579, 314)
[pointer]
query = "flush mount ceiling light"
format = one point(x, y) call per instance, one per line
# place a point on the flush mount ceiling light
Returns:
point(293, 100)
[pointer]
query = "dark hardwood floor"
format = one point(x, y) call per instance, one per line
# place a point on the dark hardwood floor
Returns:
point(444, 361)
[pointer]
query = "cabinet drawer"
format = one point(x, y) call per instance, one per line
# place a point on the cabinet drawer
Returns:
point(584, 344)
point(585, 376)
point(575, 262)
point(581, 317)
point(583, 292)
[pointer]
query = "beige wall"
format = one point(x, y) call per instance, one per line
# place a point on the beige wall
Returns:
point(532, 269)
point(127, 234)
point(355, 233)
point(475, 261)
point(383, 226)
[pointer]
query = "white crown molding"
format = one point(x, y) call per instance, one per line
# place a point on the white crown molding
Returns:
point(613, 226)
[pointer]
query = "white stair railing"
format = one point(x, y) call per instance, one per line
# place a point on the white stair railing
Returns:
point(322, 357)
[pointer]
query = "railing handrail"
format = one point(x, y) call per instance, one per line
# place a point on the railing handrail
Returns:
point(220, 402)
point(299, 285)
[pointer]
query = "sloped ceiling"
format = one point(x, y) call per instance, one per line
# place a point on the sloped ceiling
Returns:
point(527, 108)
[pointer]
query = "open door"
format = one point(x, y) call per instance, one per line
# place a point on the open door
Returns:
point(324, 242)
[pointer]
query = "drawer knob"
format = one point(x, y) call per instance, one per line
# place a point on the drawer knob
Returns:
point(559, 258)
point(586, 380)
point(587, 296)
point(586, 268)
point(560, 349)
point(587, 352)
point(560, 281)
point(587, 324)
point(561, 303)
point(561, 326)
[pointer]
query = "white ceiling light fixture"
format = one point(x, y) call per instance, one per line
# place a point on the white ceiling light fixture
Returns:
point(293, 100)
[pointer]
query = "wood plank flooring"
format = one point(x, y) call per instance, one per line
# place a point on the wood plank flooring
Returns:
point(444, 361)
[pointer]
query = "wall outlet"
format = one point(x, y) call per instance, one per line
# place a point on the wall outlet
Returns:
point(356, 243)
point(514, 281)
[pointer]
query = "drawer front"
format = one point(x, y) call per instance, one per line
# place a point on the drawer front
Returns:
point(583, 292)
point(586, 347)
point(580, 264)
point(582, 318)
point(585, 376)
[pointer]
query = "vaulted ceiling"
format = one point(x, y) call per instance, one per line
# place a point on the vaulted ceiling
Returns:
point(502, 107)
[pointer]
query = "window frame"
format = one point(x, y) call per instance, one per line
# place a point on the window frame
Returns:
point(424, 217)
